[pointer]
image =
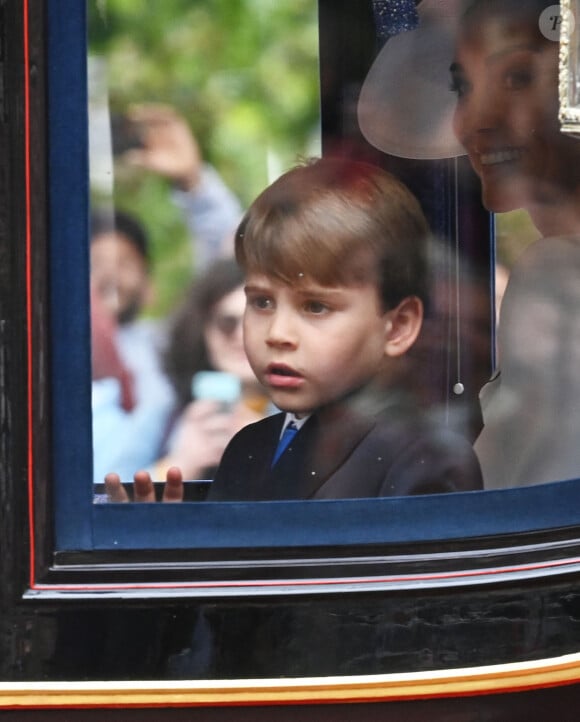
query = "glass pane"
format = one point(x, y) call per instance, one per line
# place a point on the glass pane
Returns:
point(187, 123)
point(190, 118)
point(500, 61)
point(194, 106)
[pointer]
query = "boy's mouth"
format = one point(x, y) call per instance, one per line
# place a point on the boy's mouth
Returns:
point(282, 376)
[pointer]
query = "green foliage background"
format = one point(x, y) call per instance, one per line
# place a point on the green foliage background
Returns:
point(244, 73)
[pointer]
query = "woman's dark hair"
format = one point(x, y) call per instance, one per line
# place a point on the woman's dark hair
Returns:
point(186, 350)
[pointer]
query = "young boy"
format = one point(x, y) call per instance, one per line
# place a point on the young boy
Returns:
point(334, 258)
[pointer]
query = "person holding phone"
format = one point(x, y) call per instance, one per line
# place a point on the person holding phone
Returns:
point(157, 139)
point(217, 392)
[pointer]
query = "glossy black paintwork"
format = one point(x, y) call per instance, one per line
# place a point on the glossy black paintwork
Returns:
point(118, 639)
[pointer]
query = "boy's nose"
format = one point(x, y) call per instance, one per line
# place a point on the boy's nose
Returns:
point(281, 331)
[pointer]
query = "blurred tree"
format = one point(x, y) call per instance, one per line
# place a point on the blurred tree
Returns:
point(245, 75)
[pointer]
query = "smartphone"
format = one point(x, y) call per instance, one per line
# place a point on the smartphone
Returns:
point(125, 135)
point(217, 386)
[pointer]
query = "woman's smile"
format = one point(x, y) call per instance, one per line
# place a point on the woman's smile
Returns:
point(506, 115)
point(500, 157)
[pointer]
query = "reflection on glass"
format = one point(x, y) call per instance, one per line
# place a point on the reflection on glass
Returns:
point(530, 434)
point(193, 109)
point(504, 73)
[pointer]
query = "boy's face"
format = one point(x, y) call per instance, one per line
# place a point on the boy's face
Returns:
point(310, 344)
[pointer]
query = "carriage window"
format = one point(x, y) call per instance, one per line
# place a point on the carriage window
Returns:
point(194, 109)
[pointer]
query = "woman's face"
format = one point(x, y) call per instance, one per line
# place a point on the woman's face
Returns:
point(224, 337)
point(505, 75)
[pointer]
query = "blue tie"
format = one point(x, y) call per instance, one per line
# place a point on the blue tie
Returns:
point(289, 433)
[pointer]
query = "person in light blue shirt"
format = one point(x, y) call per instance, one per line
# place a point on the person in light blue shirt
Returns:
point(170, 150)
point(121, 285)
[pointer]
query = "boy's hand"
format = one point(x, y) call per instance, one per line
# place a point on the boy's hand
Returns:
point(143, 489)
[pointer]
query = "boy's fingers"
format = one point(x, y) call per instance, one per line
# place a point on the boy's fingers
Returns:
point(114, 489)
point(143, 489)
point(173, 490)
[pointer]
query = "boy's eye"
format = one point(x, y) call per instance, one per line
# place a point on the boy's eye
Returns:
point(262, 303)
point(315, 307)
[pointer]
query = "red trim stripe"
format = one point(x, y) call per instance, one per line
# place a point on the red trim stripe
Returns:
point(476, 573)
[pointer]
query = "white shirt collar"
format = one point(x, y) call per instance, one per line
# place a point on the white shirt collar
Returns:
point(290, 417)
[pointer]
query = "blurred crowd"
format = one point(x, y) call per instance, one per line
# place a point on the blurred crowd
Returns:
point(167, 390)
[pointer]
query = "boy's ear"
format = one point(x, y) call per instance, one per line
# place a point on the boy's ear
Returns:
point(402, 326)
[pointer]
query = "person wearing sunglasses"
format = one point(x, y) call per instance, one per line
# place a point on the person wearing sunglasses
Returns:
point(217, 392)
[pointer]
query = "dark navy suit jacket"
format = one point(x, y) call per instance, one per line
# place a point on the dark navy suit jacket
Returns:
point(340, 453)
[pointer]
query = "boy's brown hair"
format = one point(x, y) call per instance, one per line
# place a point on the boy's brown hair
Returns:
point(339, 222)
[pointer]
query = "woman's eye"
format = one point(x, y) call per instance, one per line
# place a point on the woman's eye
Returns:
point(518, 79)
point(459, 85)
